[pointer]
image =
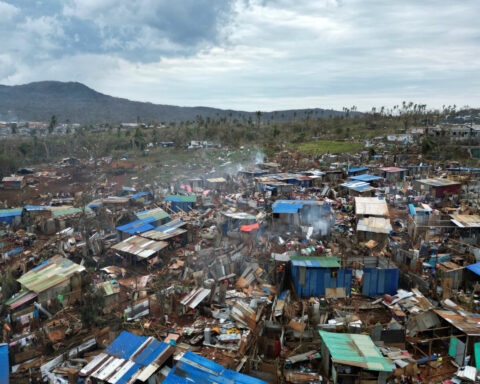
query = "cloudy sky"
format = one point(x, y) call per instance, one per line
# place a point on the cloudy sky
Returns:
point(250, 54)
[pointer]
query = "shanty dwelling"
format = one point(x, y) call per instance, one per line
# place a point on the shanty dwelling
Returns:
point(13, 182)
point(373, 222)
point(216, 183)
point(160, 216)
point(459, 330)
point(141, 198)
point(136, 227)
point(352, 358)
point(358, 188)
point(231, 222)
point(56, 277)
point(192, 368)
point(357, 171)
point(417, 171)
point(270, 184)
point(113, 203)
point(130, 358)
point(374, 180)
point(378, 281)
point(172, 231)
point(437, 189)
point(467, 228)
point(11, 216)
point(392, 174)
point(319, 276)
point(303, 213)
point(111, 293)
point(179, 203)
point(139, 248)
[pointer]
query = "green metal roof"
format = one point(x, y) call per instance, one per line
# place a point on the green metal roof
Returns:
point(11, 211)
point(322, 262)
point(182, 198)
point(355, 350)
point(49, 274)
point(156, 213)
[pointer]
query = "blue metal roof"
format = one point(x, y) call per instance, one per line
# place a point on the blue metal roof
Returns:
point(196, 369)
point(4, 366)
point(139, 194)
point(128, 375)
point(149, 354)
point(475, 268)
point(125, 344)
point(365, 177)
point(95, 205)
point(11, 212)
point(358, 186)
point(170, 225)
point(35, 208)
point(316, 263)
point(290, 206)
point(138, 226)
point(359, 169)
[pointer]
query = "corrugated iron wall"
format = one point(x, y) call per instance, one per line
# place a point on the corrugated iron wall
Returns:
point(317, 279)
point(378, 282)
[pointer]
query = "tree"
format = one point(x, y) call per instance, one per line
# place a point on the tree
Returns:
point(9, 284)
point(13, 127)
point(53, 124)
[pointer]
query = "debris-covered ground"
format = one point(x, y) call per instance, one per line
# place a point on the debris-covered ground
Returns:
point(223, 267)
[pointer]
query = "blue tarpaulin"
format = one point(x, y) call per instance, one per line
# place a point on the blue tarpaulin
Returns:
point(14, 251)
point(4, 365)
point(290, 206)
point(411, 208)
point(139, 194)
point(358, 186)
point(377, 282)
point(475, 268)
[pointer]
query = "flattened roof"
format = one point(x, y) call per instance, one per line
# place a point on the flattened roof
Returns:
point(392, 169)
point(467, 322)
point(366, 177)
point(166, 231)
point(315, 262)
point(358, 186)
point(156, 213)
point(371, 206)
point(374, 224)
point(435, 182)
point(140, 246)
point(182, 198)
point(197, 369)
point(49, 274)
point(129, 355)
point(466, 221)
point(355, 350)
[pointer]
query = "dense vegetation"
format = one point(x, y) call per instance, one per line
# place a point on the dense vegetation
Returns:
point(309, 133)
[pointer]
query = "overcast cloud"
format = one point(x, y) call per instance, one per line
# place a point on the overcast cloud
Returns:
point(250, 54)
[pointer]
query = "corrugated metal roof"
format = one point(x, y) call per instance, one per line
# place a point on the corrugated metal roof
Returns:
point(359, 169)
point(374, 224)
point(166, 231)
point(435, 182)
point(372, 206)
point(469, 323)
point(392, 169)
point(10, 212)
point(315, 262)
point(182, 198)
point(197, 369)
point(366, 177)
point(140, 246)
point(128, 357)
point(65, 211)
point(156, 214)
point(358, 186)
point(355, 350)
point(49, 274)
point(137, 226)
point(466, 221)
